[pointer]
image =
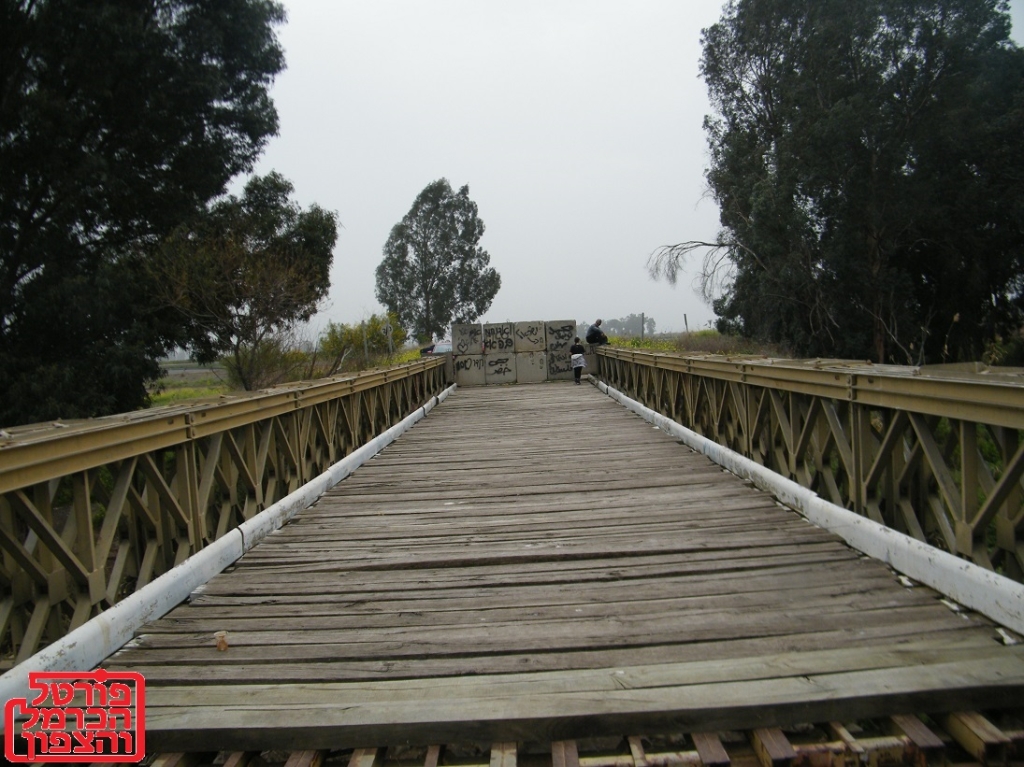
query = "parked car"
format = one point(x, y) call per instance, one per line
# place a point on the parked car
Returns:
point(441, 347)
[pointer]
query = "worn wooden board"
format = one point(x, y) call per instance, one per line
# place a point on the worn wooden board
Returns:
point(535, 562)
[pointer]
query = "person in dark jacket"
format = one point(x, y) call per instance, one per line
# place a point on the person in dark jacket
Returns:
point(576, 352)
point(595, 335)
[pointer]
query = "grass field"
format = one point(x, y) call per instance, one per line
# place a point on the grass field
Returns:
point(186, 380)
point(698, 342)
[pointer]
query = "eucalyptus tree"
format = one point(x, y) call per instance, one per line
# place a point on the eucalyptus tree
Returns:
point(118, 121)
point(867, 164)
point(434, 272)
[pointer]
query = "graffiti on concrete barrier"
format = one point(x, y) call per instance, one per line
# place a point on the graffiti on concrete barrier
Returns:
point(498, 338)
point(466, 339)
point(475, 362)
point(560, 335)
point(499, 366)
point(529, 336)
point(559, 364)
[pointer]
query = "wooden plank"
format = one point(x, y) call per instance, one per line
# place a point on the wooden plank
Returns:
point(772, 747)
point(918, 732)
point(503, 754)
point(372, 757)
point(564, 636)
point(543, 606)
point(433, 756)
point(240, 758)
point(745, 563)
point(564, 753)
point(204, 673)
point(662, 576)
point(710, 749)
point(977, 735)
point(839, 731)
point(927, 747)
point(636, 750)
point(306, 758)
point(657, 614)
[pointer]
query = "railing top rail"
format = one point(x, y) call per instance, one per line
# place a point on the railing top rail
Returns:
point(968, 392)
point(967, 371)
point(37, 452)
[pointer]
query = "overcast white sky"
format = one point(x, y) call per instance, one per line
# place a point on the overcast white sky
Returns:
point(576, 124)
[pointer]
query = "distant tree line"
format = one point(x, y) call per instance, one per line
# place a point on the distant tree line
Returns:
point(868, 164)
point(629, 326)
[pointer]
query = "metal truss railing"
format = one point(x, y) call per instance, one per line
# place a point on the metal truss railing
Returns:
point(92, 510)
point(935, 452)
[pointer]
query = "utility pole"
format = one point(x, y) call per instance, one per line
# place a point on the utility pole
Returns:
point(366, 346)
point(643, 322)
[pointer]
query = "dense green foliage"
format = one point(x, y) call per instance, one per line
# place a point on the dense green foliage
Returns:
point(118, 121)
point(868, 163)
point(363, 342)
point(434, 273)
point(245, 270)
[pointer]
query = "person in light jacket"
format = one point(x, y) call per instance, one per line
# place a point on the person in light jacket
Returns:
point(578, 361)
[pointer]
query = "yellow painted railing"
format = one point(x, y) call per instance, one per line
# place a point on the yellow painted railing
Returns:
point(93, 510)
point(935, 452)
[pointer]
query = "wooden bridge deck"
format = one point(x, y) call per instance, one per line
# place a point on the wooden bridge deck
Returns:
point(534, 562)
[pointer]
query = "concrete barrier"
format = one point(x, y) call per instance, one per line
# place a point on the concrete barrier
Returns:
point(559, 334)
point(498, 338)
point(467, 339)
point(559, 366)
point(514, 352)
point(531, 367)
point(530, 337)
point(470, 370)
point(500, 368)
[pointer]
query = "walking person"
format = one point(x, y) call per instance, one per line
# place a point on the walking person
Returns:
point(578, 360)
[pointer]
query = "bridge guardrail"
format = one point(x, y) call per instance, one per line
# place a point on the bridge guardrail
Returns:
point(93, 510)
point(934, 452)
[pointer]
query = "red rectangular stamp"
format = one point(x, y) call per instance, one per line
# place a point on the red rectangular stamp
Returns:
point(76, 716)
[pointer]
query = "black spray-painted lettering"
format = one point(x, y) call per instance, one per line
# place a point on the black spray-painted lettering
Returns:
point(498, 338)
point(469, 363)
point(559, 364)
point(531, 333)
point(560, 336)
